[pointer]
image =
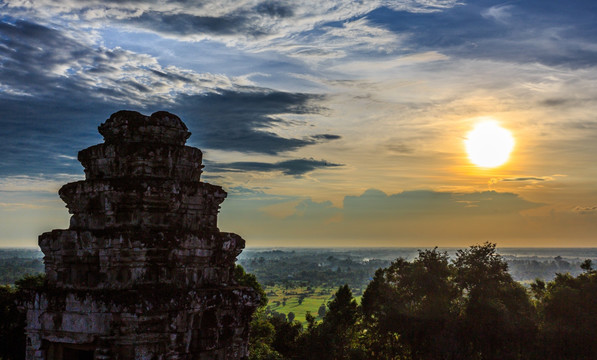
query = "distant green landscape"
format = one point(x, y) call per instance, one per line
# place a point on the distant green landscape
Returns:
point(300, 300)
point(16, 263)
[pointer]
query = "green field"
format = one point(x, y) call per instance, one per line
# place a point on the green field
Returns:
point(284, 301)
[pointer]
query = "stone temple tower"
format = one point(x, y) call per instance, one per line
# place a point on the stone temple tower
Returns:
point(143, 271)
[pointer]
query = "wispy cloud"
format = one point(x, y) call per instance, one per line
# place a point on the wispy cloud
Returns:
point(500, 13)
point(14, 206)
point(36, 183)
point(352, 38)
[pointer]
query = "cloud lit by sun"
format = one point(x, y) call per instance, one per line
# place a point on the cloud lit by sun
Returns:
point(489, 145)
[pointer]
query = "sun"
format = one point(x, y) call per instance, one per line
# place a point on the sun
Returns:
point(489, 145)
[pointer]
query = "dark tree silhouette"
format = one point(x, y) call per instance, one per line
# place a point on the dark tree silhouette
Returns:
point(569, 314)
point(409, 308)
point(12, 319)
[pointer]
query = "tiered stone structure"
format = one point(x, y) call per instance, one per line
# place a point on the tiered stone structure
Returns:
point(143, 271)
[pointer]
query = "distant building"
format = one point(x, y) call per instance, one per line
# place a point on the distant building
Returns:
point(143, 271)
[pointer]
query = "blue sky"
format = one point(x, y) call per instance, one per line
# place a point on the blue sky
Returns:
point(329, 122)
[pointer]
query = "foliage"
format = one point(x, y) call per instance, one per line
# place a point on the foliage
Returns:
point(498, 317)
point(31, 282)
point(262, 334)
point(336, 337)
point(245, 279)
point(569, 314)
point(321, 311)
point(413, 302)
point(287, 333)
point(12, 324)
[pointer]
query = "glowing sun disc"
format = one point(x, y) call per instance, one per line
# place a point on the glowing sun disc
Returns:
point(489, 145)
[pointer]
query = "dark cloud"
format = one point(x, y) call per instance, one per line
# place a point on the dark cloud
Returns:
point(244, 22)
point(577, 125)
point(326, 137)
point(532, 179)
point(401, 148)
point(275, 9)
point(167, 76)
point(35, 132)
point(296, 167)
point(556, 102)
point(241, 120)
point(30, 53)
point(187, 24)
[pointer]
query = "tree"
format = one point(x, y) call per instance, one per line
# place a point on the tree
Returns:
point(245, 279)
point(342, 311)
point(409, 308)
point(12, 319)
point(321, 311)
point(569, 313)
point(310, 319)
point(434, 308)
point(261, 331)
point(587, 265)
point(12, 325)
point(336, 336)
point(538, 289)
point(286, 335)
point(262, 334)
point(382, 339)
point(498, 320)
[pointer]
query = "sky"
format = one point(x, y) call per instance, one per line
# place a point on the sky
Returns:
point(329, 123)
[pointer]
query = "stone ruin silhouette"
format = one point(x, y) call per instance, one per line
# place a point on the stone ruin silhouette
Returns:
point(143, 271)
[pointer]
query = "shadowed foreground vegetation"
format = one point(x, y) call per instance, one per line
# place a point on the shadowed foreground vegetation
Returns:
point(12, 317)
point(429, 308)
point(436, 308)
